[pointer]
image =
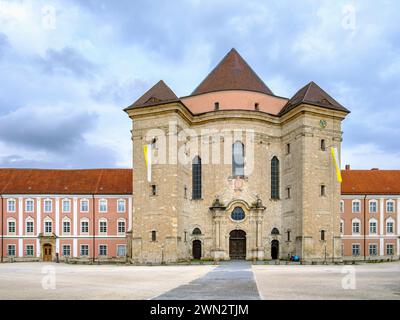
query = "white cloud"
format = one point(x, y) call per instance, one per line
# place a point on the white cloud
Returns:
point(369, 155)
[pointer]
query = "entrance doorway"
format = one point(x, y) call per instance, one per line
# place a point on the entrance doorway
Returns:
point(237, 244)
point(196, 249)
point(274, 249)
point(47, 252)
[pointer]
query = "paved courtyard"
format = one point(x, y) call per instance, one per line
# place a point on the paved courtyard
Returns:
point(230, 280)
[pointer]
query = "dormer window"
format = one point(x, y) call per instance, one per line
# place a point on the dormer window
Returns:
point(216, 106)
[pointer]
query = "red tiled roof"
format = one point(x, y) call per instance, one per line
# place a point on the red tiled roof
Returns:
point(159, 93)
point(87, 181)
point(232, 73)
point(371, 182)
point(313, 94)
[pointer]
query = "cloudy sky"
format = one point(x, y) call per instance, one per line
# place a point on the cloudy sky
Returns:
point(68, 68)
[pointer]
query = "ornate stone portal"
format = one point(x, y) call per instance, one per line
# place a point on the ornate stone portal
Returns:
point(226, 220)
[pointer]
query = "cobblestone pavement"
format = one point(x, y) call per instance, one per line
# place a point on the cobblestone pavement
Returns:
point(236, 280)
point(85, 282)
point(329, 282)
point(229, 281)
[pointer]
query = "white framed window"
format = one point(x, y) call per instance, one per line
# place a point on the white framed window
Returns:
point(355, 249)
point(66, 226)
point(389, 249)
point(29, 226)
point(356, 226)
point(121, 227)
point(102, 205)
point(66, 250)
point(356, 206)
point(84, 250)
point(373, 206)
point(66, 205)
point(341, 207)
point(84, 205)
point(29, 204)
point(103, 226)
point(121, 250)
point(11, 226)
point(373, 226)
point(84, 226)
point(341, 226)
point(373, 249)
point(48, 205)
point(389, 226)
point(11, 205)
point(29, 252)
point(102, 250)
point(48, 226)
point(11, 250)
point(121, 205)
point(390, 206)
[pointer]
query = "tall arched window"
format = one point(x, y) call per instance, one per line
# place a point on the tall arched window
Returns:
point(274, 178)
point(196, 178)
point(238, 159)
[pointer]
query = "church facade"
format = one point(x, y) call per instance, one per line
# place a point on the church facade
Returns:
point(231, 171)
point(234, 172)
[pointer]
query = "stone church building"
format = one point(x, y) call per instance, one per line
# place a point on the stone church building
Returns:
point(233, 171)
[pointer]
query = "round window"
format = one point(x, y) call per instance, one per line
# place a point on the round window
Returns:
point(237, 214)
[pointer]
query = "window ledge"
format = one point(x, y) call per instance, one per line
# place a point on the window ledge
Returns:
point(244, 177)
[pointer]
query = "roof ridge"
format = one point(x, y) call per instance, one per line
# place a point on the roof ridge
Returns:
point(161, 91)
point(96, 190)
point(308, 89)
point(232, 72)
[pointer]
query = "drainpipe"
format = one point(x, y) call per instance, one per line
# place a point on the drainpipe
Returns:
point(94, 229)
point(365, 224)
point(2, 227)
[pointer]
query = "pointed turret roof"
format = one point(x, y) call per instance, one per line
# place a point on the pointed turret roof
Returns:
point(312, 94)
point(159, 93)
point(232, 73)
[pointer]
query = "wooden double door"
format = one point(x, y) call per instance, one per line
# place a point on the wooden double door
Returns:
point(47, 252)
point(237, 245)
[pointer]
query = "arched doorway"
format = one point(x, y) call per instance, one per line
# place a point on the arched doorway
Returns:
point(237, 244)
point(196, 249)
point(47, 252)
point(274, 249)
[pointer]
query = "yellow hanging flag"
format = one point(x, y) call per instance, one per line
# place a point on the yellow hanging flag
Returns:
point(336, 163)
point(147, 159)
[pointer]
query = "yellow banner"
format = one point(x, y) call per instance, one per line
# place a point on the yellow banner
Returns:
point(147, 159)
point(336, 163)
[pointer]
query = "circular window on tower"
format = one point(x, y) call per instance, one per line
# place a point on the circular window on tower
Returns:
point(237, 214)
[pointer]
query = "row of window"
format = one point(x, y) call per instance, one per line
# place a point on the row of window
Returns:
point(372, 206)
point(237, 171)
point(372, 249)
point(66, 205)
point(66, 226)
point(66, 250)
point(373, 229)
